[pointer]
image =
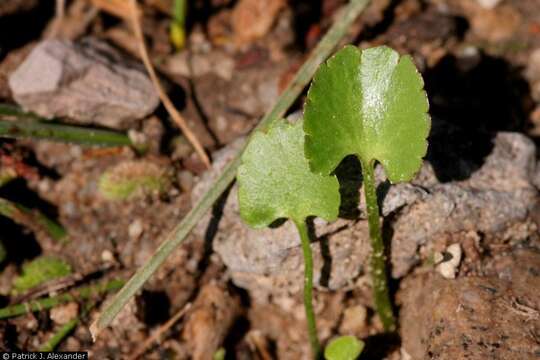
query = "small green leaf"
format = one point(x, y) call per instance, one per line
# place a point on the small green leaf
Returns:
point(344, 348)
point(40, 270)
point(275, 180)
point(369, 103)
point(130, 179)
point(219, 354)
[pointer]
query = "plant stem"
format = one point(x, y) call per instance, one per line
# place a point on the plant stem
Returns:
point(34, 219)
point(308, 288)
point(15, 111)
point(6, 175)
point(287, 98)
point(179, 12)
point(50, 302)
point(64, 331)
point(37, 129)
point(378, 259)
point(57, 338)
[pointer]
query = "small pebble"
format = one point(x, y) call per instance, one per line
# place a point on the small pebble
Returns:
point(488, 4)
point(107, 256)
point(135, 229)
point(405, 355)
point(354, 320)
point(450, 261)
point(186, 180)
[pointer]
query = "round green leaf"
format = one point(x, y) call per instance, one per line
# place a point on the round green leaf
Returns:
point(275, 180)
point(344, 348)
point(369, 103)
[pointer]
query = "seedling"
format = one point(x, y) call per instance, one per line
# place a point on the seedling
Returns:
point(178, 24)
point(133, 178)
point(275, 182)
point(39, 271)
point(32, 218)
point(371, 104)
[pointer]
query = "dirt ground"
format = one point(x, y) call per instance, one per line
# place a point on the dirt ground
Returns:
point(240, 289)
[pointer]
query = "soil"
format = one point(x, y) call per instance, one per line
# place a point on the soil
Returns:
point(476, 199)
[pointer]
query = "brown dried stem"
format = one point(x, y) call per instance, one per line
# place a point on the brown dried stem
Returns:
point(171, 109)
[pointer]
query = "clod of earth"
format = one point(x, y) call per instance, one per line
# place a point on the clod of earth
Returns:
point(495, 315)
point(214, 312)
point(85, 82)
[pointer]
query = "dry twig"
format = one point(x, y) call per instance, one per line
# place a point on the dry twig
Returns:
point(171, 109)
point(118, 8)
point(162, 329)
point(60, 6)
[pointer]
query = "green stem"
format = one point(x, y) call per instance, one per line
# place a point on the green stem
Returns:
point(286, 99)
point(6, 175)
point(15, 111)
point(65, 330)
point(37, 129)
point(378, 259)
point(57, 338)
point(308, 288)
point(179, 12)
point(28, 217)
point(50, 302)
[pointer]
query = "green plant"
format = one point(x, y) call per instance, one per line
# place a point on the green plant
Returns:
point(24, 128)
point(177, 235)
point(178, 24)
point(343, 348)
point(219, 354)
point(52, 343)
point(133, 178)
point(33, 218)
point(370, 104)
point(39, 271)
point(78, 294)
point(275, 182)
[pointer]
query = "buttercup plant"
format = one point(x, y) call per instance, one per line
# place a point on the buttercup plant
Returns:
point(367, 103)
point(370, 104)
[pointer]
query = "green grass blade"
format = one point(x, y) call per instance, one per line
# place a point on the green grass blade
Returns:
point(65, 330)
point(178, 234)
point(82, 293)
point(57, 338)
point(13, 110)
point(37, 129)
point(28, 217)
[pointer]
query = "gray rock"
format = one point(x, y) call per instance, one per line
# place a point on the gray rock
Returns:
point(86, 82)
point(495, 201)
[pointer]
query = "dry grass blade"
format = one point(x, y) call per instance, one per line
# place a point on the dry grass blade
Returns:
point(155, 336)
point(171, 109)
point(118, 8)
point(60, 6)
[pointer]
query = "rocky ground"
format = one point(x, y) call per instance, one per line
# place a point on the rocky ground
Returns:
point(463, 236)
